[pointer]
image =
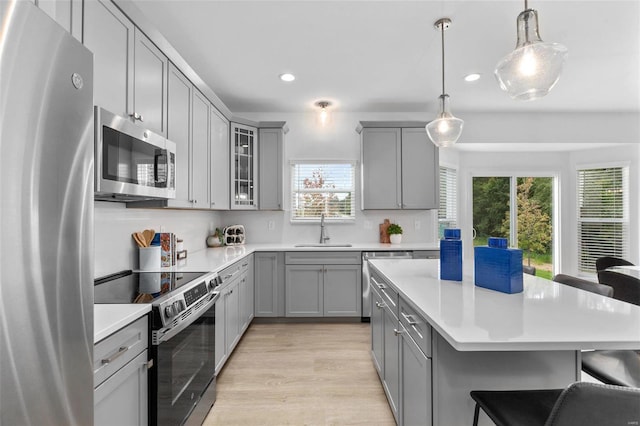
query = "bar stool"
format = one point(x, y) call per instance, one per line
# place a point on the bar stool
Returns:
point(581, 403)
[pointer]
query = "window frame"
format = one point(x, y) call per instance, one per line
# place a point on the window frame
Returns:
point(624, 167)
point(293, 219)
point(449, 199)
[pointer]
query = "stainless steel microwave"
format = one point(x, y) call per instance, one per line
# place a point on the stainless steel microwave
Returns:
point(131, 163)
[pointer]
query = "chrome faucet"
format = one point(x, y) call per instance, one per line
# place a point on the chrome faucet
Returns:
point(323, 234)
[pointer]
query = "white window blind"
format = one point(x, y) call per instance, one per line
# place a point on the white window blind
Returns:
point(602, 215)
point(322, 187)
point(447, 214)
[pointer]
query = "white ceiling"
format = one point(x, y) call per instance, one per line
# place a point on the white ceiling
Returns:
point(384, 56)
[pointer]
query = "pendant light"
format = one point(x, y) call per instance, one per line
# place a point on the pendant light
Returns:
point(445, 130)
point(533, 68)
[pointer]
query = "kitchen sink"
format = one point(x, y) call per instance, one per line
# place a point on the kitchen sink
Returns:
point(323, 245)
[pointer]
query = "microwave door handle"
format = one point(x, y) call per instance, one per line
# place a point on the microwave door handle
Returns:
point(164, 154)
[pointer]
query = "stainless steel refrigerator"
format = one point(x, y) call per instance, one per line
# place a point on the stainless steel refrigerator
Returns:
point(46, 221)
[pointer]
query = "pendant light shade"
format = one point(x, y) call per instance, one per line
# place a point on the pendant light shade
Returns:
point(446, 129)
point(533, 68)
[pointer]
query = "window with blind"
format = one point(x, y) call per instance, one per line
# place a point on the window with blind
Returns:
point(447, 215)
point(322, 187)
point(602, 215)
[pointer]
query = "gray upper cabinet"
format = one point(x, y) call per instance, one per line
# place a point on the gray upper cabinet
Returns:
point(199, 164)
point(244, 165)
point(109, 34)
point(270, 168)
point(219, 161)
point(150, 85)
point(130, 72)
point(400, 168)
point(381, 169)
point(179, 131)
point(420, 170)
point(67, 13)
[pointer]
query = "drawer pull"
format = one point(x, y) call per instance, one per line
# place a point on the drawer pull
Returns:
point(397, 332)
point(409, 319)
point(148, 364)
point(380, 305)
point(118, 354)
point(245, 264)
point(380, 285)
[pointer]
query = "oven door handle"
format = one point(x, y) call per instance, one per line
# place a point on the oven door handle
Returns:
point(171, 333)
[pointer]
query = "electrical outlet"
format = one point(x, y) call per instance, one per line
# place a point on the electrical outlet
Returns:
point(367, 224)
point(416, 224)
point(271, 225)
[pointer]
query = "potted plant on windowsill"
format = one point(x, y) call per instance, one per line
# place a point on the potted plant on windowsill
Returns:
point(395, 233)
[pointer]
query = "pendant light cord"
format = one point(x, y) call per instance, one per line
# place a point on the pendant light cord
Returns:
point(442, 32)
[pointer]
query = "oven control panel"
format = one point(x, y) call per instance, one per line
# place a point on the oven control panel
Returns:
point(191, 298)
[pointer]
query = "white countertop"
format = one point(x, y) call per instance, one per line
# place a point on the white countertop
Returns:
point(215, 259)
point(107, 319)
point(110, 318)
point(545, 316)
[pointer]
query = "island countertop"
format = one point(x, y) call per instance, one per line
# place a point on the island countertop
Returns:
point(545, 316)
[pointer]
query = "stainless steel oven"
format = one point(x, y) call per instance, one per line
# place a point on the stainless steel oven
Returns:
point(182, 379)
point(131, 162)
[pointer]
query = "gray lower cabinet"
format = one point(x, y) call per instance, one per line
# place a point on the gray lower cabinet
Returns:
point(269, 284)
point(391, 356)
point(401, 353)
point(234, 309)
point(342, 293)
point(415, 392)
point(377, 333)
point(304, 290)
point(121, 377)
point(321, 284)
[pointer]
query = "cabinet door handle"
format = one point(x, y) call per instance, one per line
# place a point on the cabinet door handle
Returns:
point(397, 332)
point(137, 116)
point(245, 264)
point(380, 305)
point(118, 354)
point(380, 285)
point(409, 319)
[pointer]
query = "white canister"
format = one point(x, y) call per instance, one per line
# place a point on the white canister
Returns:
point(149, 258)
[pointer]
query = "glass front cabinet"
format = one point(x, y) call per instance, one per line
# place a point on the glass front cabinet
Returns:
point(244, 167)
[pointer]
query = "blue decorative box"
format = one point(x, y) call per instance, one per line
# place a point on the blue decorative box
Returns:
point(498, 268)
point(451, 256)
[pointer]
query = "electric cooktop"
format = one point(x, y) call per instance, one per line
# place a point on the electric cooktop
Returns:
point(140, 287)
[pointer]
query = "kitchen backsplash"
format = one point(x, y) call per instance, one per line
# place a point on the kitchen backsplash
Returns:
point(275, 227)
point(115, 249)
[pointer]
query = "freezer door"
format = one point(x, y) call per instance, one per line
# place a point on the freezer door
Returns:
point(46, 221)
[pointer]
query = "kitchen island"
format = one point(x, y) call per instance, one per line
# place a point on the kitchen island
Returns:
point(483, 339)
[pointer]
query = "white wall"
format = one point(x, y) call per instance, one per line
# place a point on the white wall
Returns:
point(115, 250)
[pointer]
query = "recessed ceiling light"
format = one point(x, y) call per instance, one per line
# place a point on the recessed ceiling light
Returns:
point(472, 77)
point(287, 77)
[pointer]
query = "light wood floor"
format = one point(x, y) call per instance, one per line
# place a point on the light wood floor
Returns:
point(301, 374)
